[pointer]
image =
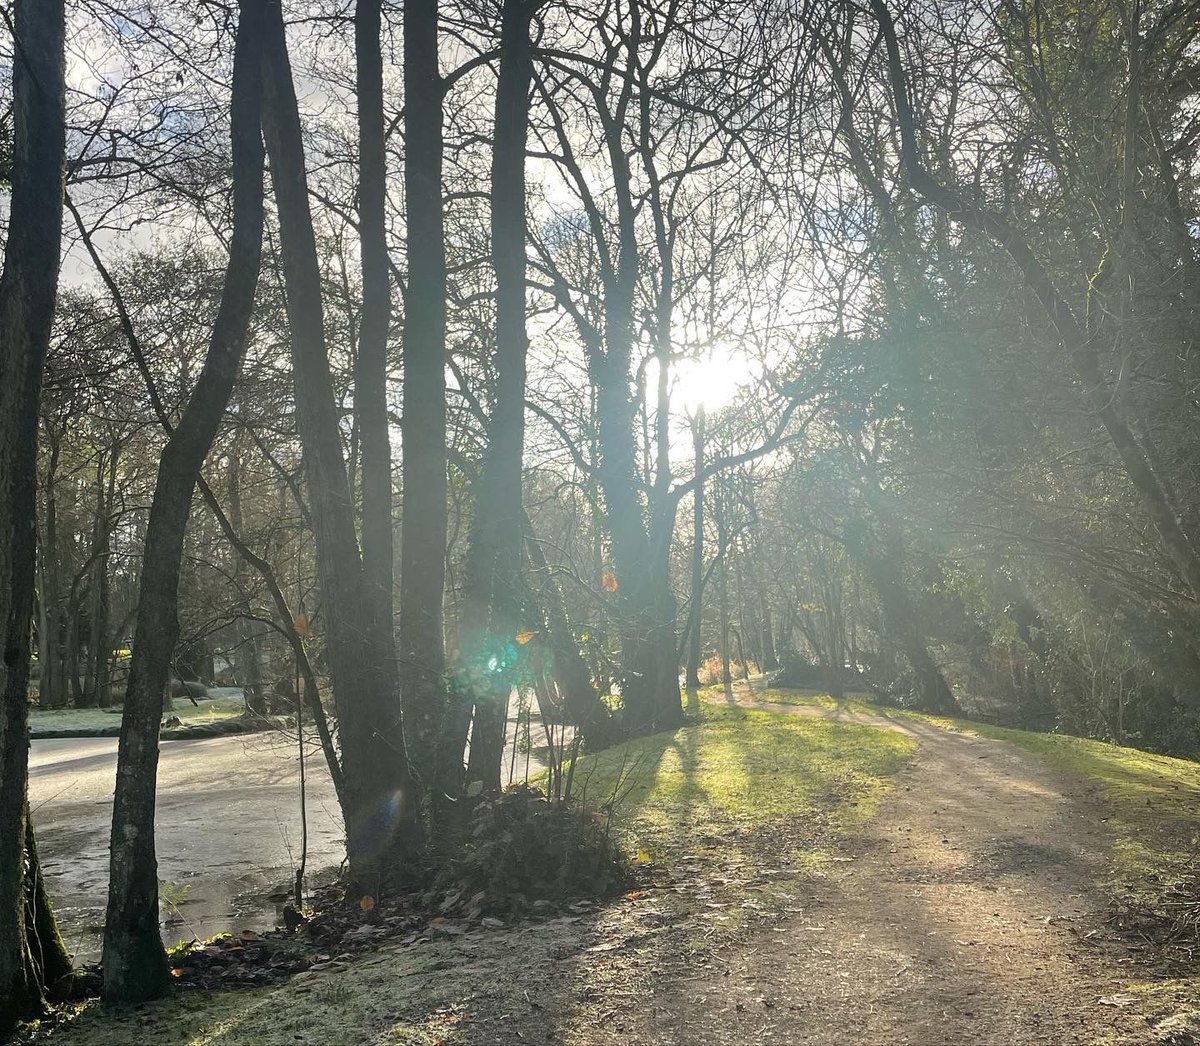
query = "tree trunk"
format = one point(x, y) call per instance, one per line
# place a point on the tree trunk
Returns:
point(650, 682)
point(901, 621)
point(424, 519)
point(134, 961)
point(770, 661)
point(28, 288)
point(696, 607)
point(586, 710)
point(52, 686)
point(246, 658)
point(99, 638)
point(380, 801)
point(371, 366)
point(492, 586)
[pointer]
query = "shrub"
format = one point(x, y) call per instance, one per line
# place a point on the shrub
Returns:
point(799, 673)
point(711, 671)
point(522, 848)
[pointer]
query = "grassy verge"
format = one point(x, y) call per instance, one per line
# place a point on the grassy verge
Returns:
point(713, 809)
point(740, 768)
point(209, 711)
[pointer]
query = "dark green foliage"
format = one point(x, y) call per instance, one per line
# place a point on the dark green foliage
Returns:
point(797, 672)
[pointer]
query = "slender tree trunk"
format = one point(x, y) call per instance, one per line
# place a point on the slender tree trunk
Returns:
point(493, 586)
point(100, 640)
point(723, 610)
point(247, 660)
point(379, 797)
point(98, 588)
point(28, 288)
point(371, 367)
point(134, 961)
point(696, 608)
point(770, 659)
point(424, 519)
point(52, 686)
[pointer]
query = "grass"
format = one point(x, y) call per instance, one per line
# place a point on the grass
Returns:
point(733, 787)
point(741, 769)
point(209, 711)
point(754, 690)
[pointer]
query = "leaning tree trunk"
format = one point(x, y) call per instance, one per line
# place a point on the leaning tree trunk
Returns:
point(584, 706)
point(28, 288)
point(379, 797)
point(135, 966)
point(492, 586)
point(424, 521)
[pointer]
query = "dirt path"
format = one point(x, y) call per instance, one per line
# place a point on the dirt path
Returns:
point(965, 914)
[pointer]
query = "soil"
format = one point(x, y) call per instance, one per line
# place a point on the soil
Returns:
point(966, 913)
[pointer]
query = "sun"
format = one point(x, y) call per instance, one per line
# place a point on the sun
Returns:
point(710, 381)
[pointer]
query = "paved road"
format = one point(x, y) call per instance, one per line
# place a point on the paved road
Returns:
point(227, 828)
point(227, 822)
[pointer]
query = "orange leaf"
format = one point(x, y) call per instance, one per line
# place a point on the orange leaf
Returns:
point(524, 637)
point(608, 580)
point(367, 903)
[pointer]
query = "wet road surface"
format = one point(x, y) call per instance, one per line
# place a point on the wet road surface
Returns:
point(227, 824)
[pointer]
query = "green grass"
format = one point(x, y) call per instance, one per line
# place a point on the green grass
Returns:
point(742, 769)
point(777, 696)
point(92, 718)
point(755, 691)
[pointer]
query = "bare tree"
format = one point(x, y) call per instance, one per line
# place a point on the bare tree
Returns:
point(135, 966)
point(493, 587)
point(31, 952)
point(380, 799)
point(423, 423)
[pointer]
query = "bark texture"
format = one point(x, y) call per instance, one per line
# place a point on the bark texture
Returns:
point(379, 797)
point(423, 426)
point(492, 587)
point(135, 965)
point(371, 369)
point(28, 289)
